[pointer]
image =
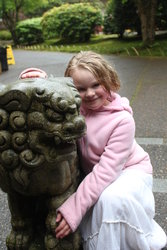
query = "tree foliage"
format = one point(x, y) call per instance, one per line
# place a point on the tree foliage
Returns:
point(11, 10)
point(45, 6)
point(120, 16)
point(146, 10)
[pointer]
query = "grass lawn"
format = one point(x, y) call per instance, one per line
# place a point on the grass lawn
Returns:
point(110, 44)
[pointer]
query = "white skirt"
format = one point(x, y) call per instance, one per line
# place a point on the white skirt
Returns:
point(122, 218)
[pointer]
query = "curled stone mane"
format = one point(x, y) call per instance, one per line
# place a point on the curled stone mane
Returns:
point(39, 124)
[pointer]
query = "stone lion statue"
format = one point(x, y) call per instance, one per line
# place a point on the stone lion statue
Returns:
point(39, 125)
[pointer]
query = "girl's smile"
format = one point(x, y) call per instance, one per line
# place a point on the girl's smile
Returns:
point(92, 93)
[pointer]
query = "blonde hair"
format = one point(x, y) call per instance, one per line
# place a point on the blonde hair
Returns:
point(98, 66)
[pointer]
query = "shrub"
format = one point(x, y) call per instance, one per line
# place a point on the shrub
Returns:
point(5, 35)
point(71, 22)
point(29, 31)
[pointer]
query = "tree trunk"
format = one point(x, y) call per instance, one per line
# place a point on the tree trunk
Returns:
point(147, 11)
point(10, 17)
point(10, 23)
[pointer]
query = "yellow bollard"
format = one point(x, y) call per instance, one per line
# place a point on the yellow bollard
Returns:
point(10, 56)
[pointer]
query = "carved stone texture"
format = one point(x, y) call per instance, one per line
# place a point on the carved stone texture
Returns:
point(39, 125)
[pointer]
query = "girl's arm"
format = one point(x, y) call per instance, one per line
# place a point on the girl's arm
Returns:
point(104, 173)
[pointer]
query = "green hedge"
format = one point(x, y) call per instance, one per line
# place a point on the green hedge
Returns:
point(29, 31)
point(71, 22)
point(5, 35)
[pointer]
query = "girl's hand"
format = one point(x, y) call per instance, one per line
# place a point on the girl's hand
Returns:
point(63, 229)
point(32, 73)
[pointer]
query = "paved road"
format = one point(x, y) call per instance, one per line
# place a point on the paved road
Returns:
point(144, 82)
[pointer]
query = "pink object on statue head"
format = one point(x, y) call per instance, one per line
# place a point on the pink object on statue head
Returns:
point(32, 73)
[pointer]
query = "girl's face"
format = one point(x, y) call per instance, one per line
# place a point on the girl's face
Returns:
point(93, 94)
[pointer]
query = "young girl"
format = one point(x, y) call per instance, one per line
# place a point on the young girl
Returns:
point(114, 204)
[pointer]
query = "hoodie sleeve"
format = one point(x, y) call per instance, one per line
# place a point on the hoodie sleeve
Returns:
point(108, 169)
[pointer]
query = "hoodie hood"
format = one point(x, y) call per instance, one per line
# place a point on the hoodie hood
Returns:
point(117, 103)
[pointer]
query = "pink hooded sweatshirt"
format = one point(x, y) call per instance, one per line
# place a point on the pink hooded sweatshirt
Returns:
point(106, 150)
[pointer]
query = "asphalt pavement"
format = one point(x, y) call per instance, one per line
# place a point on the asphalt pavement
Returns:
point(144, 82)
